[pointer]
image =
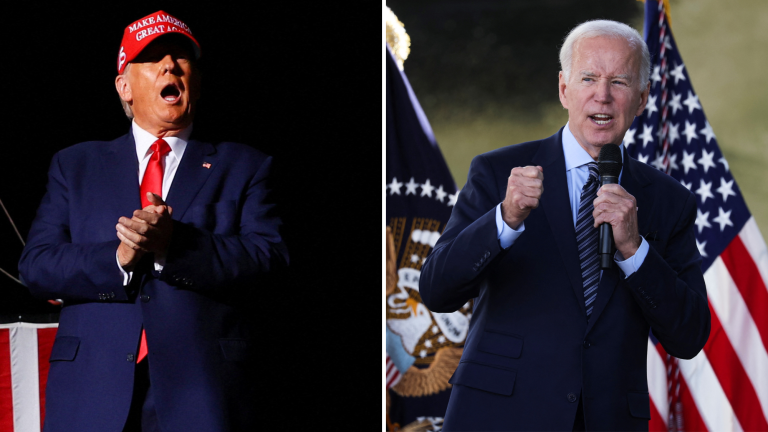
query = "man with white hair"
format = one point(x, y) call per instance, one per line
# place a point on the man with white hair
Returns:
point(556, 343)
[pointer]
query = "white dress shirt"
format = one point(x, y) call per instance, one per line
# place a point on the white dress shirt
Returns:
point(577, 174)
point(170, 161)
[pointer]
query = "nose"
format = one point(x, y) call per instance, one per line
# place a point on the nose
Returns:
point(168, 64)
point(603, 91)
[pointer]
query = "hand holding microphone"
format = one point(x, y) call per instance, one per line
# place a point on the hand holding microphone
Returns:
point(615, 209)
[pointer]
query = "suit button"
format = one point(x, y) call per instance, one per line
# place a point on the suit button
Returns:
point(587, 344)
point(129, 357)
point(145, 298)
point(571, 397)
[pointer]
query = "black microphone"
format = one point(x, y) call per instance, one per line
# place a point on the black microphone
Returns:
point(609, 167)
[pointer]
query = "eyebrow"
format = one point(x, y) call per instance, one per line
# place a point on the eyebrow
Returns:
point(592, 74)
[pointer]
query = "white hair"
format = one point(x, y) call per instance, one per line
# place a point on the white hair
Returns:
point(126, 105)
point(610, 29)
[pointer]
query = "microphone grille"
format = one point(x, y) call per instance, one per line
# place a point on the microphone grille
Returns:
point(609, 161)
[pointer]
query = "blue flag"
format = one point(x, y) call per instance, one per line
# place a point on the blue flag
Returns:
point(423, 348)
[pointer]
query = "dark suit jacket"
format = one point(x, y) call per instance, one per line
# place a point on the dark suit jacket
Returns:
point(530, 351)
point(200, 347)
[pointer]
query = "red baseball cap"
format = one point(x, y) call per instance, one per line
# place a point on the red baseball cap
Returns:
point(140, 33)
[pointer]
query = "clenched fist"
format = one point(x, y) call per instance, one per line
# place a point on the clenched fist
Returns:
point(524, 188)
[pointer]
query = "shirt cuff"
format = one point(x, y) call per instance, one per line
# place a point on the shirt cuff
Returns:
point(631, 264)
point(126, 275)
point(504, 233)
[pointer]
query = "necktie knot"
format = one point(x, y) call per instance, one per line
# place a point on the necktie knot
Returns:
point(593, 173)
point(160, 147)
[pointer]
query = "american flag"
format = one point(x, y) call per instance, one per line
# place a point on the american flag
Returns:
point(392, 374)
point(725, 387)
point(24, 352)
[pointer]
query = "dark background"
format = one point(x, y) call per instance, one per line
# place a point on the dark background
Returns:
point(275, 76)
point(470, 57)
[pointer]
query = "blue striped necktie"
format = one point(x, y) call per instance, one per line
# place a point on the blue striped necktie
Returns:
point(586, 239)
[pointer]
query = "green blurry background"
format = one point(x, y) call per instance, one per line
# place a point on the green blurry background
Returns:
point(485, 73)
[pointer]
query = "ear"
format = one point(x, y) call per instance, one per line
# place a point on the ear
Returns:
point(643, 100)
point(561, 90)
point(123, 88)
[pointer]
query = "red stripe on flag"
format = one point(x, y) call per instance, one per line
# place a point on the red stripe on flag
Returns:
point(691, 416)
point(45, 339)
point(751, 285)
point(656, 424)
point(733, 378)
point(6, 392)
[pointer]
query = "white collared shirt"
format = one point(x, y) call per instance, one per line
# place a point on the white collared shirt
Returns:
point(170, 161)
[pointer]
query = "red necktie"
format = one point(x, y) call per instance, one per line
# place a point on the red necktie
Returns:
point(152, 182)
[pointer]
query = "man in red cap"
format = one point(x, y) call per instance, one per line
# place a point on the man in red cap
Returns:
point(151, 241)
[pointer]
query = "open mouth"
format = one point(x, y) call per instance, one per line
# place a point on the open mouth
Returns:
point(170, 93)
point(601, 119)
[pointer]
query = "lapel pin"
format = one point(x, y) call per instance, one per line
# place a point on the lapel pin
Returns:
point(206, 165)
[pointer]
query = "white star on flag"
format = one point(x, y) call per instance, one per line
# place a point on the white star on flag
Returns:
point(687, 185)
point(643, 158)
point(452, 198)
point(692, 102)
point(678, 73)
point(440, 193)
point(410, 187)
point(394, 187)
point(702, 220)
point(708, 132)
point(674, 132)
point(723, 218)
point(674, 103)
point(724, 162)
point(701, 247)
point(655, 77)
point(647, 135)
point(690, 131)
point(726, 189)
point(667, 44)
point(651, 106)
point(706, 160)
point(673, 163)
point(426, 189)
point(629, 137)
point(704, 191)
point(658, 162)
point(688, 161)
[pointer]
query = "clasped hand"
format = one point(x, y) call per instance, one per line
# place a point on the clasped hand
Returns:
point(149, 230)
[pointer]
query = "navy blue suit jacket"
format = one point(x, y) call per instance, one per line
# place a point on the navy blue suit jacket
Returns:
point(200, 346)
point(530, 352)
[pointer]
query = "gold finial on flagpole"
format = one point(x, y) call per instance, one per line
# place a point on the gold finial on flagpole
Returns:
point(397, 39)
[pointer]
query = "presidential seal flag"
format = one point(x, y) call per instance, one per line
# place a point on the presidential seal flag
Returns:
point(422, 348)
point(725, 387)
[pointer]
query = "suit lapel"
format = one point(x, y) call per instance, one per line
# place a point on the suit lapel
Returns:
point(633, 181)
point(557, 207)
point(121, 174)
point(190, 176)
